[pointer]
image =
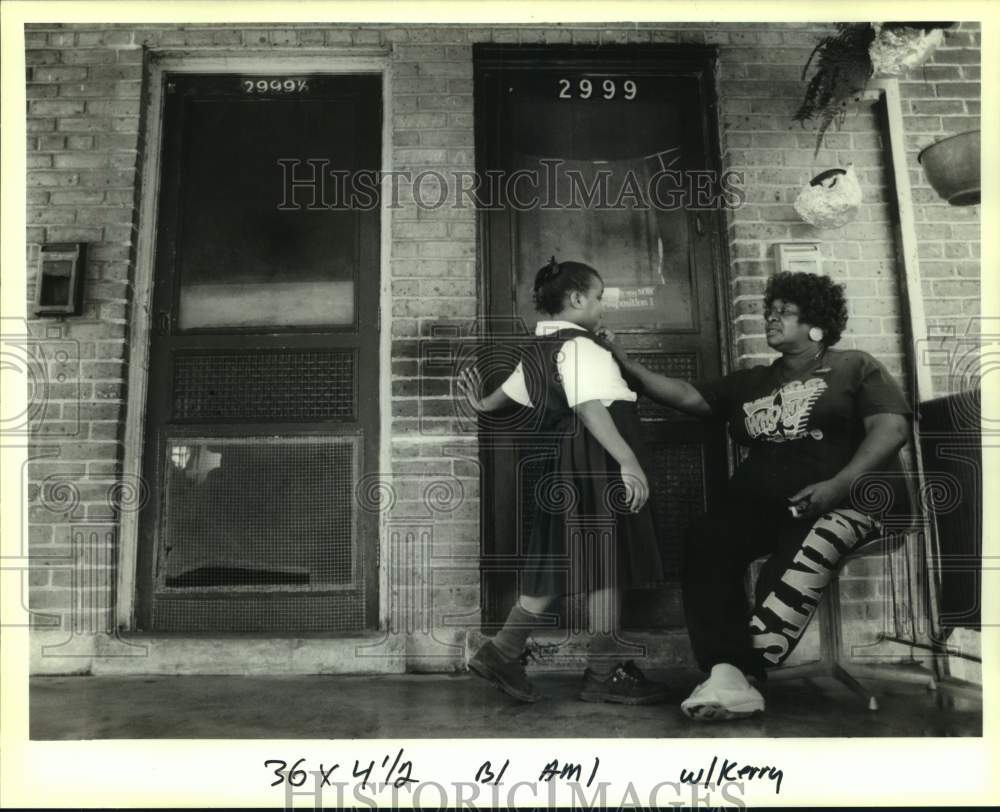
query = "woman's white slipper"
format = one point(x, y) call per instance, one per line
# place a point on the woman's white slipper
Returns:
point(714, 702)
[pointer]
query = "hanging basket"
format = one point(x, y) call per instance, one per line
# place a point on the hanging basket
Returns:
point(952, 167)
point(831, 199)
point(894, 51)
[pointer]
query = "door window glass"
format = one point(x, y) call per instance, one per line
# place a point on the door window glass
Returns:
point(243, 259)
point(629, 230)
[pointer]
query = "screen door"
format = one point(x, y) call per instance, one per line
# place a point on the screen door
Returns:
point(262, 410)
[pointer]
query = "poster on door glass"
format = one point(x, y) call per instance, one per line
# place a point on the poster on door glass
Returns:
point(607, 196)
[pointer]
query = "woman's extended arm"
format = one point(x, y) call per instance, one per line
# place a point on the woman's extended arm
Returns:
point(885, 435)
point(673, 392)
point(598, 421)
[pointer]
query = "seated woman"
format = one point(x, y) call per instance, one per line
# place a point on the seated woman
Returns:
point(813, 421)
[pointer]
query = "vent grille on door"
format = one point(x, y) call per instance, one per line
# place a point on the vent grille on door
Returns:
point(676, 496)
point(265, 386)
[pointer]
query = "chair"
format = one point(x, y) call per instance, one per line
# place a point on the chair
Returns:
point(832, 649)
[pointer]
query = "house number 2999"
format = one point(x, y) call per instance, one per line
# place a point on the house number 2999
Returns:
point(607, 89)
point(275, 85)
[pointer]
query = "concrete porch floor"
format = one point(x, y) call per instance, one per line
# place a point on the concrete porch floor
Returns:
point(417, 706)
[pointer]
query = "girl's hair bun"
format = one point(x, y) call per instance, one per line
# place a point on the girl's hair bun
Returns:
point(547, 273)
point(555, 280)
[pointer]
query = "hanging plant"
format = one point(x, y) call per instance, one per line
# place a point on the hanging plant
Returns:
point(846, 61)
point(952, 167)
point(843, 68)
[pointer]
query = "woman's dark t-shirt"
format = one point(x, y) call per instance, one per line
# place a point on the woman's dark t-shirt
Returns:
point(803, 431)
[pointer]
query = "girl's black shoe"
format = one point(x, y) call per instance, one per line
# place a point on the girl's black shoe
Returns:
point(507, 675)
point(627, 685)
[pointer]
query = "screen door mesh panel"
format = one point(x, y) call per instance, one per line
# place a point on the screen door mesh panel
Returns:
point(259, 514)
point(340, 612)
point(673, 365)
point(302, 385)
point(676, 496)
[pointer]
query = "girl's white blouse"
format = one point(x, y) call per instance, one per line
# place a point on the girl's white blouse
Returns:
point(588, 371)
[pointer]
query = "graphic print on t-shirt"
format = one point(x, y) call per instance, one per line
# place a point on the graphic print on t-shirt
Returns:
point(784, 414)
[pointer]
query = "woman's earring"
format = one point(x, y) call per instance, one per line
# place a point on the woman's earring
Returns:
point(815, 334)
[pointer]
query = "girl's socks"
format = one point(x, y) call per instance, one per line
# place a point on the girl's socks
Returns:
point(605, 607)
point(603, 654)
point(511, 639)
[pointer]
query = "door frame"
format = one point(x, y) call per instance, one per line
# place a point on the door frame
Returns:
point(355, 61)
point(699, 61)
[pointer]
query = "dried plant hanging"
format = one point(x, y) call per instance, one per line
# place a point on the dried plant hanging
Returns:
point(843, 68)
point(846, 61)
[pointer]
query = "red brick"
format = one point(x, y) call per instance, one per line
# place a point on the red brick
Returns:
point(86, 89)
point(46, 107)
point(954, 56)
point(80, 160)
point(108, 107)
point(34, 56)
point(81, 56)
point(53, 178)
point(420, 86)
point(83, 124)
point(970, 90)
point(129, 56)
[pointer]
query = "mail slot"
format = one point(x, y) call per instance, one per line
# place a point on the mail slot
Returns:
point(58, 286)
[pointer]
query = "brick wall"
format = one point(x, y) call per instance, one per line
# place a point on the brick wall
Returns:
point(757, 102)
point(83, 131)
point(84, 87)
point(947, 102)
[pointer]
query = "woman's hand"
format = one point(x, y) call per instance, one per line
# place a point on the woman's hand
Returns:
point(616, 349)
point(470, 385)
point(636, 484)
point(821, 497)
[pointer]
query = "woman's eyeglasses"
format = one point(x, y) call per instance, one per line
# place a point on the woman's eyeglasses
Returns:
point(781, 312)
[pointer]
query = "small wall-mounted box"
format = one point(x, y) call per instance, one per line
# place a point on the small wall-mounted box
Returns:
point(59, 281)
point(798, 257)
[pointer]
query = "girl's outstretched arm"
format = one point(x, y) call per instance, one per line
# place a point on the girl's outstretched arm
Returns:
point(598, 421)
point(470, 384)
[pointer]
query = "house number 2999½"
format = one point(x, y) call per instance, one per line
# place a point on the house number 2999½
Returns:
point(275, 85)
point(606, 89)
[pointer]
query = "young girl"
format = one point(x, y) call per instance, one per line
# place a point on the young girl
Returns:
point(604, 530)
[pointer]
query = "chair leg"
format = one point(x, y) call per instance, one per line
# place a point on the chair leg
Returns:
point(844, 676)
point(833, 630)
point(831, 650)
point(833, 656)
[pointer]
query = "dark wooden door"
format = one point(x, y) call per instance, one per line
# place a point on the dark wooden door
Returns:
point(262, 408)
point(590, 123)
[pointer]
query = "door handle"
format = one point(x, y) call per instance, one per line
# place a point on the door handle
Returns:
point(163, 322)
point(698, 225)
